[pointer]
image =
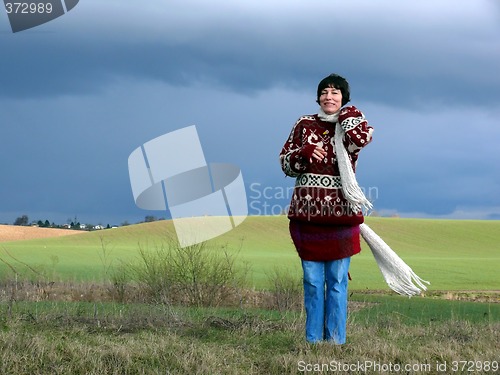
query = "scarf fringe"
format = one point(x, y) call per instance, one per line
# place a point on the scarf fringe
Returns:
point(397, 274)
point(352, 192)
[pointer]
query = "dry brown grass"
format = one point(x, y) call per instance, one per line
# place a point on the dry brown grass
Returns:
point(155, 339)
point(20, 233)
point(87, 328)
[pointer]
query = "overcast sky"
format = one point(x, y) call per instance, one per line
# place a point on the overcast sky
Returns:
point(80, 93)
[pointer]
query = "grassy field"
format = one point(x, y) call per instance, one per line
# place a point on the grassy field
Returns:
point(91, 333)
point(417, 336)
point(452, 255)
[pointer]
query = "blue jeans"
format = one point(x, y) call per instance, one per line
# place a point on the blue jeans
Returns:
point(325, 300)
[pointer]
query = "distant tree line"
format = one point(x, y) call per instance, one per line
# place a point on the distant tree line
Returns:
point(24, 221)
point(74, 224)
point(21, 220)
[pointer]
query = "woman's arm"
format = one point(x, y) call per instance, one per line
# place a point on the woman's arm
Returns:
point(357, 131)
point(295, 156)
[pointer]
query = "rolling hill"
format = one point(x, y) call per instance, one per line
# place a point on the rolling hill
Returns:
point(451, 254)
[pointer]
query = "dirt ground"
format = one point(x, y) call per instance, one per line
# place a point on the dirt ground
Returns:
point(19, 233)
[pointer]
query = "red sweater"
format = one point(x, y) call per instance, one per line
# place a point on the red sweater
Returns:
point(317, 196)
point(322, 225)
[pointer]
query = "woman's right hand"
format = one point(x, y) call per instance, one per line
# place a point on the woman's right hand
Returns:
point(319, 154)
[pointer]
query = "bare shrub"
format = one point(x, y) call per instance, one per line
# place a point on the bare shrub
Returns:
point(119, 278)
point(286, 288)
point(196, 275)
point(153, 274)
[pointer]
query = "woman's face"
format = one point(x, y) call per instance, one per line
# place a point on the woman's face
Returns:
point(330, 100)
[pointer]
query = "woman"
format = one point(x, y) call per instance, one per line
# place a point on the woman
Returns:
point(324, 218)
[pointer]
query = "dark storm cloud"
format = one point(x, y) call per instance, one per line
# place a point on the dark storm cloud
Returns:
point(395, 53)
point(78, 94)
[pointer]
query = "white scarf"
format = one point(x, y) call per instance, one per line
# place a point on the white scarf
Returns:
point(397, 274)
point(350, 187)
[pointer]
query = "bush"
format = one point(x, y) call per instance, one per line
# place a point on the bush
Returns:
point(196, 275)
point(286, 288)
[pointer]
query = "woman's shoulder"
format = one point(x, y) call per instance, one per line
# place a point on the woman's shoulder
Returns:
point(306, 119)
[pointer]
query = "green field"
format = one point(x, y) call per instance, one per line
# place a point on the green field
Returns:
point(451, 254)
point(87, 335)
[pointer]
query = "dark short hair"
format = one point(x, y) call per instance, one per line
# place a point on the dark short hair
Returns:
point(338, 82)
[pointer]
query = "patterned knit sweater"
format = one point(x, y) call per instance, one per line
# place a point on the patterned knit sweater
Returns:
point(317, 196)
